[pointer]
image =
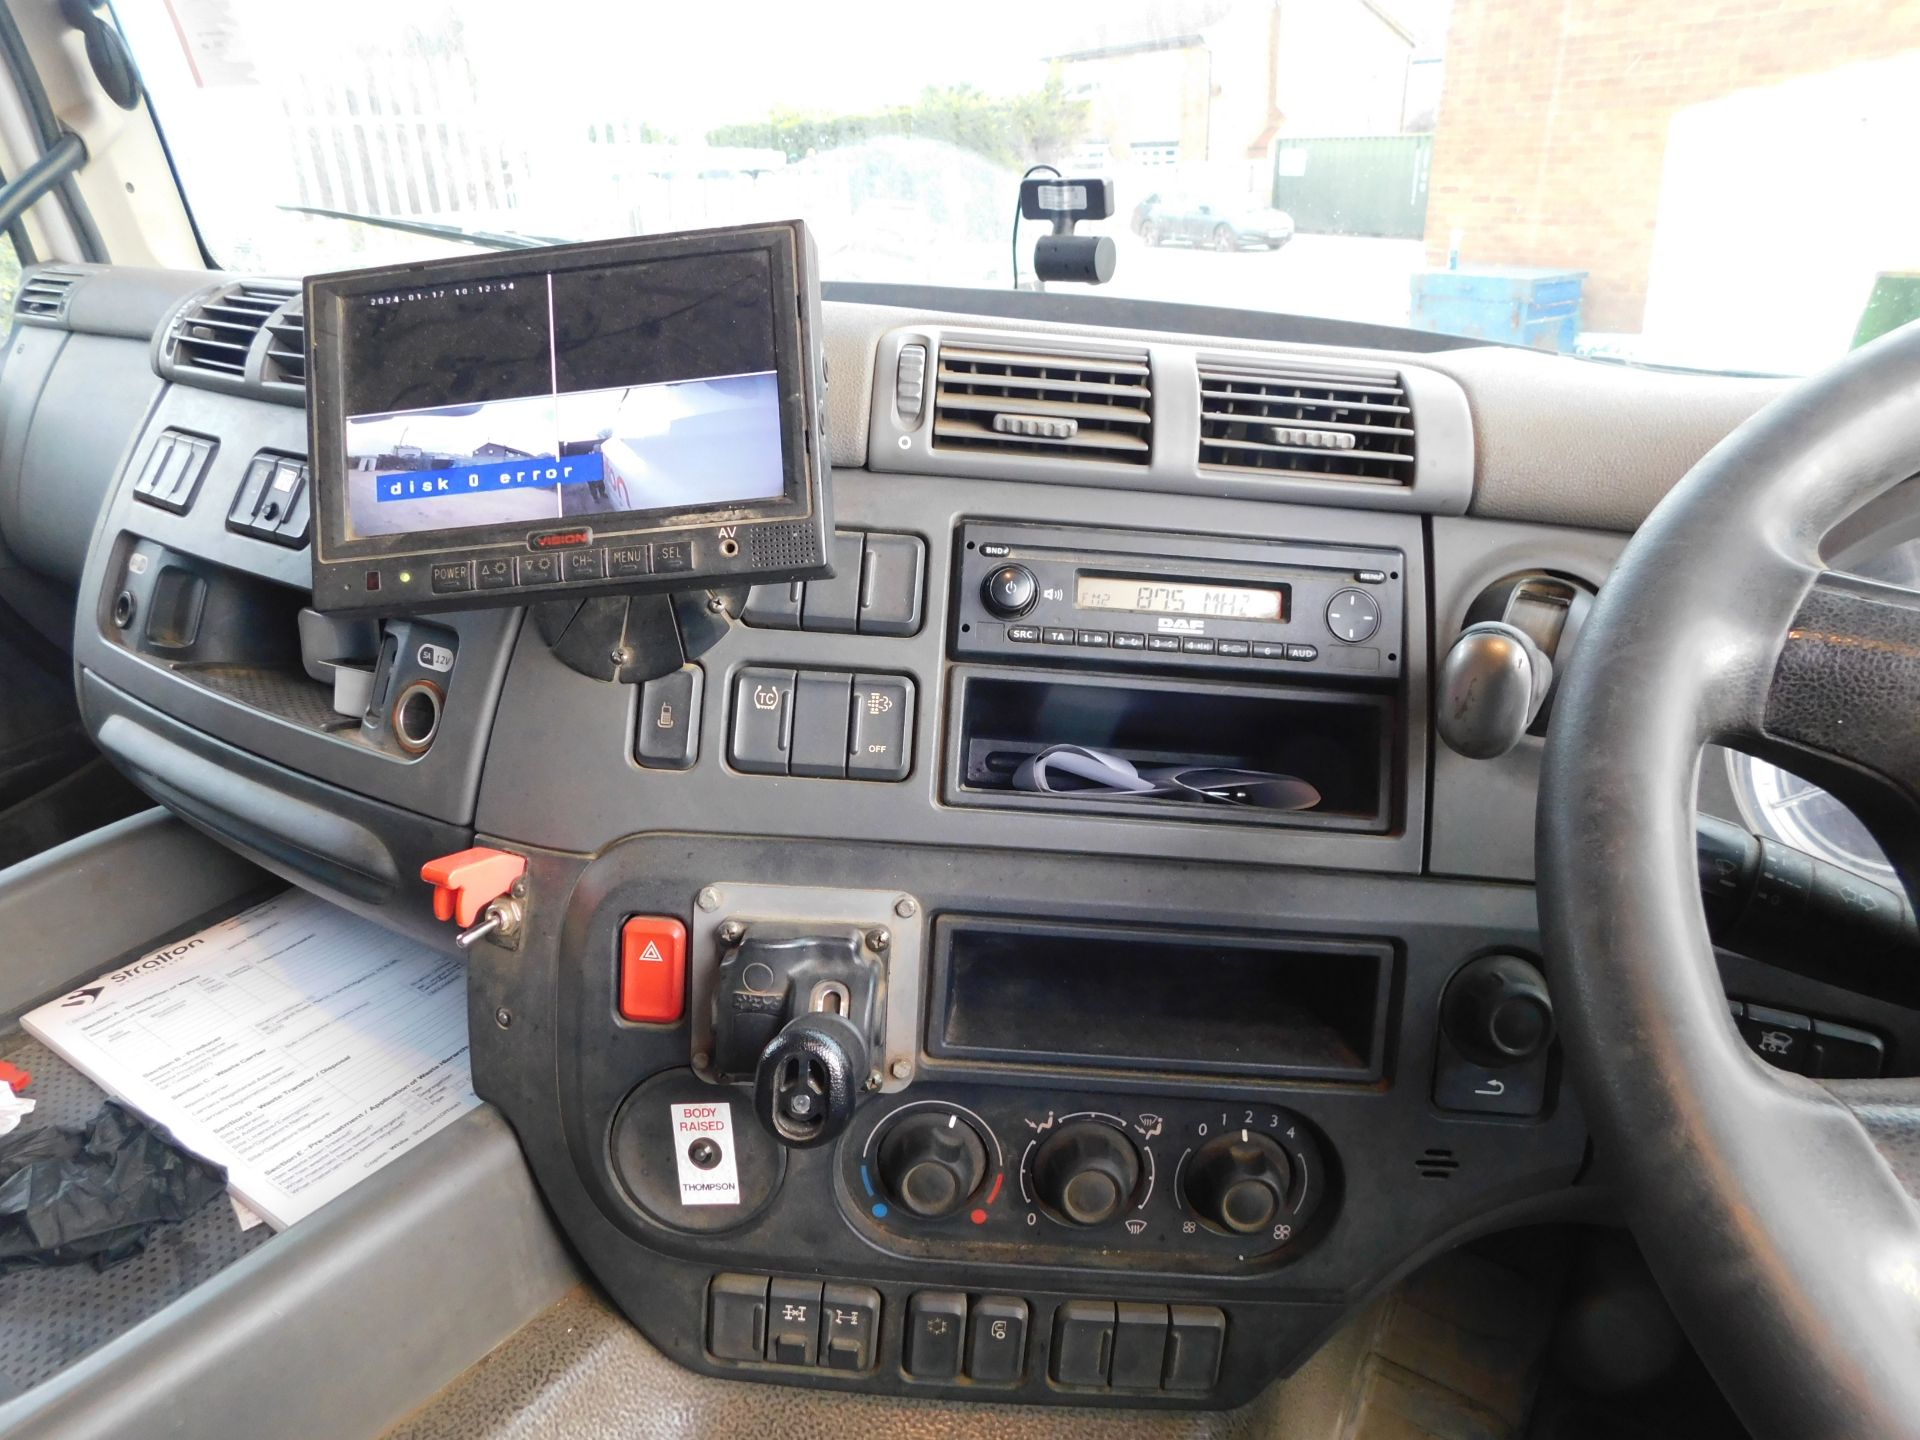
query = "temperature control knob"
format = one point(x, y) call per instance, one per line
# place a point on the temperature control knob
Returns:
point(1239, 1181)
point(1009, 591)
point(931, 1162)
point(1086, 1171)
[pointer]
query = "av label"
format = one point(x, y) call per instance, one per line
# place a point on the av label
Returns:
point(703, 1152)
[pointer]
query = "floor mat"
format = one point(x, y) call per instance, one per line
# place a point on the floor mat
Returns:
point(51, 1317)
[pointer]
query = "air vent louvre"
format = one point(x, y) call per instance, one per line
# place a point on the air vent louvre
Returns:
point(216, 331)
point(45, 293)
point(287, 345)
point(1311, 419)
point(1437, 1163)
point(1001, 399)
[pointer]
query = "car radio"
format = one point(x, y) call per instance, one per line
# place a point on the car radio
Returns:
point(1071, 596)
point(630, 415)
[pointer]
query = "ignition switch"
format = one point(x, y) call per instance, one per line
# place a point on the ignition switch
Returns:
point(798, 1011)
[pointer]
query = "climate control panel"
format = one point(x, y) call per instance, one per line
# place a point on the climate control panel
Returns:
point(1210, 1186)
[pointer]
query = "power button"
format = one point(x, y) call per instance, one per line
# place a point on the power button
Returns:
point(1009, 591)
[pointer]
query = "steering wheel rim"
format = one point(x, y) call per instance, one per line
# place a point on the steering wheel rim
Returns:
point(1777, 1212)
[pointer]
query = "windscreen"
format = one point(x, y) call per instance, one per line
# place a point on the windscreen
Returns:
point(554, 397)
point(1716, 186)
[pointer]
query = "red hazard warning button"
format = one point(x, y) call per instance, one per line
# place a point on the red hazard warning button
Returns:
point(653, 969)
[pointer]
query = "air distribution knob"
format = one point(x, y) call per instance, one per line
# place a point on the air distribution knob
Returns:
point(1086, 1171)
point(931, 1162)
point(1239, 1182)
point(1497, 1011)
point(1009, 591)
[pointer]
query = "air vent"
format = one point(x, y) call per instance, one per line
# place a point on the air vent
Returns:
point(1436, 1164)
point(287, 345)
point(1004, 400)
point(44, 294)
point(216, 330)
point(1307, 420)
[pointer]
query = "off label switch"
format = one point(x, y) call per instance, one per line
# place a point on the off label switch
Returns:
point(882, 728)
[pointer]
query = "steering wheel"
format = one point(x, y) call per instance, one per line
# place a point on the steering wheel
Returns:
point(1778, 1212)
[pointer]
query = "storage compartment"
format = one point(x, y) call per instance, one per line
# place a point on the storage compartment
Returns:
point(1338, 742)
point(1181, 1001)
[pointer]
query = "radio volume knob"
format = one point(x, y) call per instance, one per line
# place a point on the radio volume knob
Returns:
point(1009, 591)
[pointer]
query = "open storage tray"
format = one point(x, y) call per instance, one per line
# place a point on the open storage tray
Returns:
point(1340, 742)
point(1039, 993)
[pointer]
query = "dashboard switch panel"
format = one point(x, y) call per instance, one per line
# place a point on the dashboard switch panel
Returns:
point(274, 501)
point(173, 470)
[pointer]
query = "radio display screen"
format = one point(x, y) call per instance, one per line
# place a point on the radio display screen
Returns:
point(1151, 595)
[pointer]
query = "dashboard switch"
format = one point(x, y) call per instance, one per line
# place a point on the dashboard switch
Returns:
point(1195, 1342)
point(793, 1322)
point(1139, 1346)
point(997, 1340)
point(882, 727)
point(891, 583)
point(820, 723)
point(737, 1316)
point(834, 603)
point(669, 732)
point(1083, 1342)
point(936, 1328)
point(849, 1321)
point(775, 606)
point(653, 969)
point(762, 720)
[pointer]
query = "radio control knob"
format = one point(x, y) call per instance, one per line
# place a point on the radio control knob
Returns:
point(1353, 616)
point(1009, 591)
point(931, 1162)
point(1086, 1172)
point(1239, 1181)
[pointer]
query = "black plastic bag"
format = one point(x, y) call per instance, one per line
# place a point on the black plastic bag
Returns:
point(97, 1192)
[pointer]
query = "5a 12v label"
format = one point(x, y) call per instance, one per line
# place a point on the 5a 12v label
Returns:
point(703, 1152)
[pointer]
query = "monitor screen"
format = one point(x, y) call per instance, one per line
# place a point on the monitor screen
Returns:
point(642, 402)
point(544, 398)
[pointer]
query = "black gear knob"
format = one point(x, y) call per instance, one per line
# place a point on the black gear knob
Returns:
point(809, 1077)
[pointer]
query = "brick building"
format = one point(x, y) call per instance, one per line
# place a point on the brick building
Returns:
point(1552, 142)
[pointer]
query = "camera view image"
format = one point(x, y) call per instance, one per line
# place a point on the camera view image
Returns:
point(669, 446)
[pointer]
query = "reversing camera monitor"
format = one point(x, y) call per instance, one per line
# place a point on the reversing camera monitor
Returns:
point(637, 414)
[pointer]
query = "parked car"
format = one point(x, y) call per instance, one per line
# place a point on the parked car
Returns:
point(1182, 220)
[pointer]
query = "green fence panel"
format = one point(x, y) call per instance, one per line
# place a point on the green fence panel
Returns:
point(1355, 184)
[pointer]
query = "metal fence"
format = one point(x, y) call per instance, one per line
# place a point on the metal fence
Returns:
point(1355, 184)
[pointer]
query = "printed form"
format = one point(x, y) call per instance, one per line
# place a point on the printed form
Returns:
point(296, 1044)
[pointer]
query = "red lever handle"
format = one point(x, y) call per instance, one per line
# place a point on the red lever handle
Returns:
point(466, 883)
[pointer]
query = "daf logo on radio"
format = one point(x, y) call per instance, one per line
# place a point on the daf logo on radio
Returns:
point(1184, 624)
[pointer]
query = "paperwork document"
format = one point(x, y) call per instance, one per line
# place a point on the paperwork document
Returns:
point(296, 1044)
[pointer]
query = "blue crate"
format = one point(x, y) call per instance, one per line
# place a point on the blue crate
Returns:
point(1512, 304)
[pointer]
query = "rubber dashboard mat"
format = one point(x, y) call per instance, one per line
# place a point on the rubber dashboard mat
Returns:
point(51, 1317)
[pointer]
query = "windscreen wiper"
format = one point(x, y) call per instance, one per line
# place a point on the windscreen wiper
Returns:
point(438, 229)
